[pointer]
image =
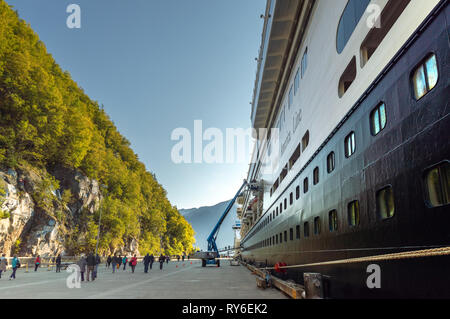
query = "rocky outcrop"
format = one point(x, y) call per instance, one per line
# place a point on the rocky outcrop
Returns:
point(28, 227)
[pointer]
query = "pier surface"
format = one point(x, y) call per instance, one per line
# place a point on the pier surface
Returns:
point(175, 281)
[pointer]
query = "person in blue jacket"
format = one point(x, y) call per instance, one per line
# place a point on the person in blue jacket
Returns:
point(14, 264)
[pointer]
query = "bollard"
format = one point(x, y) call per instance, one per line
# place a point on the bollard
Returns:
point(26, 267)
point(313, 285)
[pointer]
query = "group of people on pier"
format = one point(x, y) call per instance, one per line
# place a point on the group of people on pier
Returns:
point(88, 264)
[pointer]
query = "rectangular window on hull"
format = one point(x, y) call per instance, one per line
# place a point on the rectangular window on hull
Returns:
point(296, 82)
point(291, 234)
point(425, 77)
point(353, 213)
point(306, 229)
point(316, 176)
point(297, 232)
point(330, 162)
point(317, 226)
point(305, 185)
point(437, 181)
point(385, 202)
point(378, 119)
point(350, 144)
point(333, 220)
point(285, 204)
point(297, 192)
point(285, 236)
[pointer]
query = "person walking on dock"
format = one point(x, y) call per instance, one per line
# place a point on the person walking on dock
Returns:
point(119, 262)
point(178, 258)
point(167, 259)
point(114, 261)
point(182, 258)
point(152, 259)
point(161, 261)
point(133, 263)
point(97, 262)
point(3, 264)
point(90, 260)
point(82, 264)
point(58, 263)
point(146, 262)
point(37, 262)
point(124, 261)
point(15, 264)
point(108, 261)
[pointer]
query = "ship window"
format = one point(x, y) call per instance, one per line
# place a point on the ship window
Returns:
point(305, 185)
point(291, 234)
point(333, 220)
point(281, 208)
point(350, 144)
point(281, 237)
point(347, 77)
point(270, 217)
point(297, 192)
point(305, 140)
point(306, 229)
point(297, 231)
point(390, 14)
point(277, 211)
point(271, 192)
point(316, 176)
point(295, 156)
point(291, 198)
point(317, 226)
point(304, 62)
point(437, 182)
point(276, 238)
point(353, 213)
point(351, 15)
point(425, 77)
point(283, 173)
point(296, 82)
point(385, 202)
point(275, 185)
point(378, 119)
point(291, 97)
point(285, 204)
point(330, 162)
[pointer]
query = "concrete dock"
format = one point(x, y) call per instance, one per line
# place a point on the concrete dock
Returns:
point(175, 281)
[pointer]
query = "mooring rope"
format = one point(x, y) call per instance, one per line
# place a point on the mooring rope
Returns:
point(394, 256)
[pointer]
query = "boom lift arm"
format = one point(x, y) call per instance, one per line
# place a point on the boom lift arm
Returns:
point(210, 256)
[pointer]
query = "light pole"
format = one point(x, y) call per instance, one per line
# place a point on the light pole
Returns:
point(99, 221)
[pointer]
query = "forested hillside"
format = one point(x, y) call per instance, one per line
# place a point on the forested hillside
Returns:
point(48, 122)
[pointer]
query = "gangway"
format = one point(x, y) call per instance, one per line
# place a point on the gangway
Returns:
point(211, 256)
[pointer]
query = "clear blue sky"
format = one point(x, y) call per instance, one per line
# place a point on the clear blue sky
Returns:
point(157, 65)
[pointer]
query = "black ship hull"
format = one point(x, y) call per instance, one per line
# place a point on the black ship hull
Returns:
point(416, 137)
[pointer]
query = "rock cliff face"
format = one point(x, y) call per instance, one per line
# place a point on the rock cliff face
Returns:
point(30, 225)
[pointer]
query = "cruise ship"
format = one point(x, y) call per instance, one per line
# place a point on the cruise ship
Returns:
point(358, 93)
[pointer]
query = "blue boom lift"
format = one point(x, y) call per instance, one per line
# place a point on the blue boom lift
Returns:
point(211, 256)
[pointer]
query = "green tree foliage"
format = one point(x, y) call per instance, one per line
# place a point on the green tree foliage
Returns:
point(47, 120)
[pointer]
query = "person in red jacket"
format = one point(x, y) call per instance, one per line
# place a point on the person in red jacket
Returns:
point(133, 263)
point(37, 262)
